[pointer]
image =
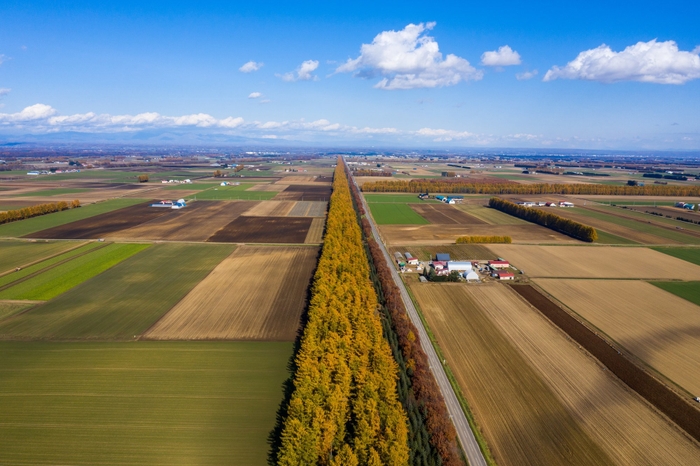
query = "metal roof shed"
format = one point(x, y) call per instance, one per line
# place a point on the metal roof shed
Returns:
point(442, 257)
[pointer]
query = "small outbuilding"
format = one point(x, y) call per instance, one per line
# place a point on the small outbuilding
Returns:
point(503, 275)
point(470, 275)
point(442, 257)
point(499, 264)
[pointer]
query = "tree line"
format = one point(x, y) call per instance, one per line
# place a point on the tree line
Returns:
point(367, 172)
point(484, 239)
point(432, 437)
point(546, 219)
point(464, 187)
point(344, 408)
point(36, 210)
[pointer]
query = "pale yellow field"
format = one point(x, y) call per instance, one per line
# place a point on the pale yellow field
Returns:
point(660, 328)
point(271, 209)
point(273, 187)
point(298, 179)
point(620, 422)
point(257, 293)
point(315, 234)
point(595, 262)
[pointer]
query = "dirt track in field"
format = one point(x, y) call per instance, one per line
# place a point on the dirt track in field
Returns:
point(105, 224)
point(310, 192)
point(257, 293)
point(595, 262)
point(521, 417)
point(445, 214)
point(659, 328)
point(196, 222)
point(315, 234)
point(264, 230)
point(664, 399)
point(627, 429)
point(447, 234)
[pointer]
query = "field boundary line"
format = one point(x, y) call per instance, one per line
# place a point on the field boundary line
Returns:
point(466, 436)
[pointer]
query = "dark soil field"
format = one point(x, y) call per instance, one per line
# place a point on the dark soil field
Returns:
point(663, 398)
point(304, 193)
point(197, 222)
point(104, 224)
point(445, 214)
point(264, 230)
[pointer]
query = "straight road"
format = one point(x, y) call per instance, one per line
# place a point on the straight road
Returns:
point(464, 432)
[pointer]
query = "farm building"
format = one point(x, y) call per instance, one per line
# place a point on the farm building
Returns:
point(499, 264)
point(566, 204)
point(440, 198)
point(423, 196)
point(442, 257)
point(439, 265)
point(470, 275)
point(410, 259)
point(459, 266)
point(503, 275)
point(454, 200)
point(165, 204)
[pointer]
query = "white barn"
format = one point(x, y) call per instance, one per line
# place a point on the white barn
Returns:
point(459, 266)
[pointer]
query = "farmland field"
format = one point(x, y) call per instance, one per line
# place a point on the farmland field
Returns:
point(447, 234)
point(271, 209)
point(298, 192)
point(659, 328)
point(196, 222)
point(491, 216)
point(20, 253)
point(372, 198)
point(124, 301)
point(54, 192)
point(521, 417)
point(623, 425)
point(156, 403)
point(8, 308)
point(57, 280)
point(395, 214)
point(445, 214)
point(689, 291)
point(456, 251)
point(264, 230)
point(228, 193)
point(315, 234)
point(31, 225)
point(687, 254)
point(595, 262)
point(309, 209)
point(257, 293)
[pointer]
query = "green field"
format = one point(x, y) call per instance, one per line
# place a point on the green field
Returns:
point(396, 199)
point(652, 218)
point(83, 248)
point(224, 193)
point(63, 277)
point(10, 308)
point(32, 225)
point(622, 201)
point(491, 216)
point(640, 226)
point(687, 254)
point(146, 403)
point(123, 301)
point(193, 186)
point(686, 290)
point(19, 253)
point(53, 192)
point(608, 238)
point(395, 214)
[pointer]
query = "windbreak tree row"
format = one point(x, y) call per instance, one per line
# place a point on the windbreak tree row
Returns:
point(483, 239)
point(555, 222)
point(344, 408)
point(36, 210)
point(432, 436)
point(439, 186)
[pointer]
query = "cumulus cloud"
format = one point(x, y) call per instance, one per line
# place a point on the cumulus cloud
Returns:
point(33, 112)
point(250, 66)
point(254, 95)
point(650, 62)
point(4, 91)
point(303, 73)
point(504, 56)
point(525, 75)
point(409, 59)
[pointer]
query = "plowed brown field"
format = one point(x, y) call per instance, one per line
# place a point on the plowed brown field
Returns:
point(659, 328)
point(595, 262)
point(257, 293)
point(445, 214)
point(315, 234)
point(264, 230)
point(625, 427)
point(310, 192)
point(271, 209)
point(447, 234)
point(197, 222)
point(522, 418)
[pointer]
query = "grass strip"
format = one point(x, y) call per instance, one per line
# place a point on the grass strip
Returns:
point(690, 291)
point(691, 255)
point(58, 280)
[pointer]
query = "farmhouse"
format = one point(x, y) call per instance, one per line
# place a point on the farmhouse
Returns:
point(410, 259)
point(499, 264)
point(503, 275)
point(439, 265)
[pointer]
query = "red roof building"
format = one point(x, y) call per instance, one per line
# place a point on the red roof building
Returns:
point(499, 264)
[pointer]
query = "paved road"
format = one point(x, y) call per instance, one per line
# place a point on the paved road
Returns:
point(464, 432)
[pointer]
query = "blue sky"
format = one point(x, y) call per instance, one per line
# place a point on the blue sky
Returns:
point(126, 68)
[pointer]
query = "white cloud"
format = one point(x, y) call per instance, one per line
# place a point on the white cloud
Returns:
point(504, 56)
point(409, 59)
point(525, 75)
point(650, 62)
point(254, 95)
point(444, 134)
point(33, 112)
point(4, 91)
point(250, 66)
point(303, 73)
